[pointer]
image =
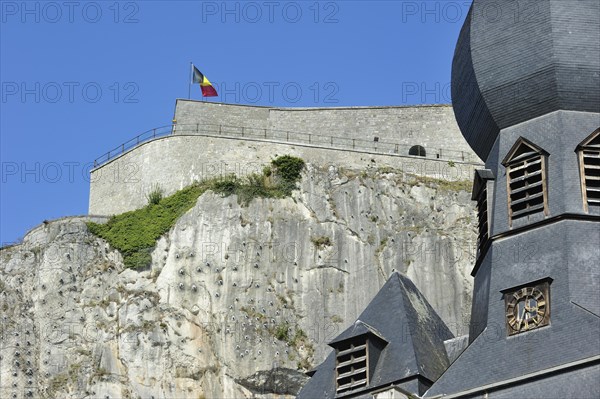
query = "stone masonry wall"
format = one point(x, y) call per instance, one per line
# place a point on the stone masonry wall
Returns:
point(431, 126)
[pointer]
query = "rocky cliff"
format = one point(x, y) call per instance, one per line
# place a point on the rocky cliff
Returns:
point(239, 300)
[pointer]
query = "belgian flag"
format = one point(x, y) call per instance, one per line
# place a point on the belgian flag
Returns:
point(207, 88)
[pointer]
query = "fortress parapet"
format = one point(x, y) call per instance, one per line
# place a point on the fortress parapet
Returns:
point(432, 127)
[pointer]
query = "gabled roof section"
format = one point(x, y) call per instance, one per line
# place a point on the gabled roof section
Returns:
point(401, 316)
point(359, 328)
point(593, 140)
point(522, 149)
point(413, 330)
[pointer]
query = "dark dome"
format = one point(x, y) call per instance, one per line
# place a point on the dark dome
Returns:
point(516, 61)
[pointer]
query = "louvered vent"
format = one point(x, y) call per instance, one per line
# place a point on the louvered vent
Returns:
point(589, 160)
point(480, 193)
point(482, 216)
point(526, 180)
point(352, 367)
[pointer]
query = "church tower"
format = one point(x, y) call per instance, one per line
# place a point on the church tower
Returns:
point(526, 95)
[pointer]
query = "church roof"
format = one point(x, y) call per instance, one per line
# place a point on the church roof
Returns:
point(359, 328)
point(413, 334)
point(515, 66)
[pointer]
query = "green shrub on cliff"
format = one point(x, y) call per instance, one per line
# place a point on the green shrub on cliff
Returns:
point(288, 168)
point(135, 233)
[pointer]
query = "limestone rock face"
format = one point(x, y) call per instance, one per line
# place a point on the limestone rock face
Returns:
point(239, 301)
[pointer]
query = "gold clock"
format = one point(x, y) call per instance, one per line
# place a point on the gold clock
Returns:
point(527, 308)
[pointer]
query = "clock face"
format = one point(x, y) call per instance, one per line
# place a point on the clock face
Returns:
point(527, 309)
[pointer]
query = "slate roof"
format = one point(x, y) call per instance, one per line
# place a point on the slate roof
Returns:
point(514, 68)
point(401, 316)
point(358, 329)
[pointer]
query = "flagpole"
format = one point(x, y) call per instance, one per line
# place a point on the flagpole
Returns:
point(190, 81)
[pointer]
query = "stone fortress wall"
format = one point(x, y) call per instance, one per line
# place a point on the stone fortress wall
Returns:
point(213, 139)
point(431, 126)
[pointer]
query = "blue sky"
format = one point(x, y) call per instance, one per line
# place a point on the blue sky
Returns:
point(79, 78)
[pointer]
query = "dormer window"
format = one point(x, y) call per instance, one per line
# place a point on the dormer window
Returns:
point(357, 352)
point(351, 366)
point(526, 180)
point(589, 168)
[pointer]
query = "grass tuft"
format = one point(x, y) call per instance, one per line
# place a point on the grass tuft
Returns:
point(447, 185)
point(321, 242)
point(155, 195)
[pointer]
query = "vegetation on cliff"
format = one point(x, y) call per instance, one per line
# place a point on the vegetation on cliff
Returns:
point(135, 233)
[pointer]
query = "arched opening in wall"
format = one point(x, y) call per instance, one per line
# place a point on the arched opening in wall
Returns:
point(417, 150)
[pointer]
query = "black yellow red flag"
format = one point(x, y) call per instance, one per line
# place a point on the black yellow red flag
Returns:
point(207, 88)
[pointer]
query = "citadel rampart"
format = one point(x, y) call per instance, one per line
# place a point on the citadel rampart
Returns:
point(431, 126)
point(212, 139)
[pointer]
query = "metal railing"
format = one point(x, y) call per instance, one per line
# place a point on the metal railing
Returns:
point(275, 135)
